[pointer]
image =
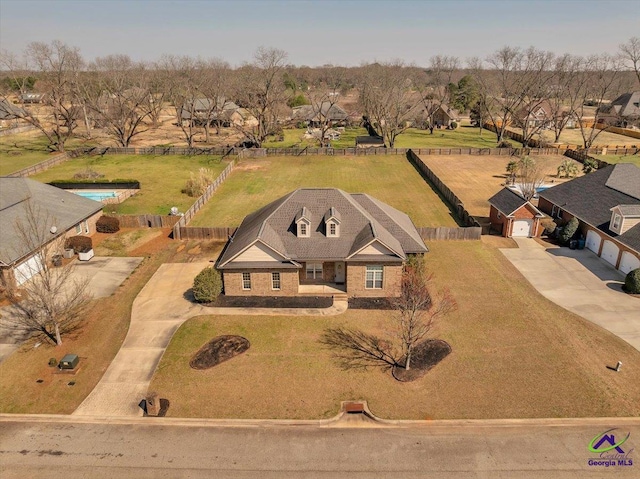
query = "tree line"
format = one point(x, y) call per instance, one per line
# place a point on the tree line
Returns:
point(125, 98)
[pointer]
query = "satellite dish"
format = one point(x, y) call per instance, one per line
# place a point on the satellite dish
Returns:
point(54, 230)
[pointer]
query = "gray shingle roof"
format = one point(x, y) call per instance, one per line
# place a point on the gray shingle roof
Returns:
point(319, 112)
point(61, 208)
point(591, 197)
point(630, 211)
point(363, 219)
point(508, 201)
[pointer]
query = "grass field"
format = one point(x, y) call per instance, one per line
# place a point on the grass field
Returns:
point(390, 178)
point(26, 149)
point(613, 159)
point(574, 137)
point(462, 137)
point(162, 178)
point(515, 355)
point(475, 179)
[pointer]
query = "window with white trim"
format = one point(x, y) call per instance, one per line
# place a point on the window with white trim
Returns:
point(275, 280)
point(616, 221)
point(314, 270)
point(79, 229)
point(374, 277)
point(332, 229)
point(246, 281)
point(86, 227)
point(303, 229)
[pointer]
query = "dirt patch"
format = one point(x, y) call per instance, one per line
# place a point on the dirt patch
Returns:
point(272, 302)
point(426, 356)
point(218, 350)
point(244, 166)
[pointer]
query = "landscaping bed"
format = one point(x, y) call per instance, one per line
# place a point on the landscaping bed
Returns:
point(370, 303)
point(272, 302)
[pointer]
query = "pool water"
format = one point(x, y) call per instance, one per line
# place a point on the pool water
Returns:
point(96, 195)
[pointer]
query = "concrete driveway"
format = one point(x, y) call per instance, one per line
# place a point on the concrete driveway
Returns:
point(105, 275)
point(581, 282)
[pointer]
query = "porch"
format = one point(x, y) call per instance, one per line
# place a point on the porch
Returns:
point(324, 289)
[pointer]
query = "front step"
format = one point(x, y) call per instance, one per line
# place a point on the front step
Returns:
point(341, 297)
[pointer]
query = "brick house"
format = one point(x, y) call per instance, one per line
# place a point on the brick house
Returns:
point(68, 215)
point(320, 240)
point(607, 205)
point(512, 215)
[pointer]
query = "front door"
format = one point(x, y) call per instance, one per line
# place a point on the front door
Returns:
point(339, 272)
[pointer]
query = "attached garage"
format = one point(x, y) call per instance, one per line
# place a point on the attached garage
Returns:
point(610, 252)
point(27, 269)
point(628, 262)
point(593, 241)
point(522, 228)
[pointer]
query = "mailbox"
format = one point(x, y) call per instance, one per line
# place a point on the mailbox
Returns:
point(70, 361)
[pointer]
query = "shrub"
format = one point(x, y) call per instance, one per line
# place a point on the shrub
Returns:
point(53, 362)
point(108, 224)
point(80, 244)
point(549, 226)
point(454, 125)
point(567, 168)
point(207, 285)
point(590, 165)
point(632, 282)
point(197, 184)
point(568, 231)
point(504, 144)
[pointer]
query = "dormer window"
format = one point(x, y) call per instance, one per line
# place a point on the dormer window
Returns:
point(332, 223)
point(303, 223)
point(615, 224)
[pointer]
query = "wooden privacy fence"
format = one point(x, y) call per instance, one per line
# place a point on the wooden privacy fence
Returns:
point(38, 167)
point(147, 221)
point(204, 233)
point(444, 190)
point(202, 200)
point(447, 233)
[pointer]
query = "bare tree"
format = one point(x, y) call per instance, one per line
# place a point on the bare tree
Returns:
point(562, 100)
point(433, 85)
point(57, 66)
point(214, 88)
point(417, 310)
point(324, 97)
point(53, 301)
point(530, 176)
point(630, 52)
point(121, 105)
point(262, 92)
point(387, 100)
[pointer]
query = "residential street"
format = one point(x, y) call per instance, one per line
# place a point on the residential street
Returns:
point(71, 447)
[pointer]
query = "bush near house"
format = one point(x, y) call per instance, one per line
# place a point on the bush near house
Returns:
point(568, 231)
point(549, 226)
point(80, 244)
point(207, 285)
point(632, 282)
point(108, 224)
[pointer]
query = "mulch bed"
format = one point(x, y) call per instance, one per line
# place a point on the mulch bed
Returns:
point(272, 302)
point(370, 303)
point(218, 350)
point(426, 355)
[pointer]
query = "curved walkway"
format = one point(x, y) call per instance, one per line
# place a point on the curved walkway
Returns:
point(580, 282)
point(157, 312)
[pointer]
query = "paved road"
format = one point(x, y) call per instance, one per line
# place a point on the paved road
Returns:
point(63, 447)
point(581, 282)
point(157, 312)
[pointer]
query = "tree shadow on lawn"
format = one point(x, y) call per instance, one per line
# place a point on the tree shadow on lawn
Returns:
point(218, 350)
point(425, 357)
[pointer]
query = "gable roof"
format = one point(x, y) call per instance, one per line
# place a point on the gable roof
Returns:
point(363, 220)
point(62, 209)
point(591, 197)
point(508, 202)
point(319, 112)
point(626, 105)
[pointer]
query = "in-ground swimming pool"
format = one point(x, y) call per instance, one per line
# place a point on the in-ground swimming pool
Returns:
point(97, 195)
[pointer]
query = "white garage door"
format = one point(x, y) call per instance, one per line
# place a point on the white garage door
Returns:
point(610, 252)
point(522, 228)
point(25, 270)
point(628, 262)
point(593, 241)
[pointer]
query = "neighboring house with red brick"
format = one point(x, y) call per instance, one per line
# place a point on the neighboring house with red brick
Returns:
point(512, 215)
point(66, 214)
point(313, 237)
point(607, 204)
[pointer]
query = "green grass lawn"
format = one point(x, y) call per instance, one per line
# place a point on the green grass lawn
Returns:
point(25, 149)
point(463, 137)
point(161, 178)
point(635, 159)
point(514, 355)
point(390, 178)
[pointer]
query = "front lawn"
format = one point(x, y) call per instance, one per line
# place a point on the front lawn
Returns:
point(515, 355)
point(162, 178)
point(613, 159)
point(390, 178)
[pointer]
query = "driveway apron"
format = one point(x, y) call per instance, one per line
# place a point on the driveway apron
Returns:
point(581, 282)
